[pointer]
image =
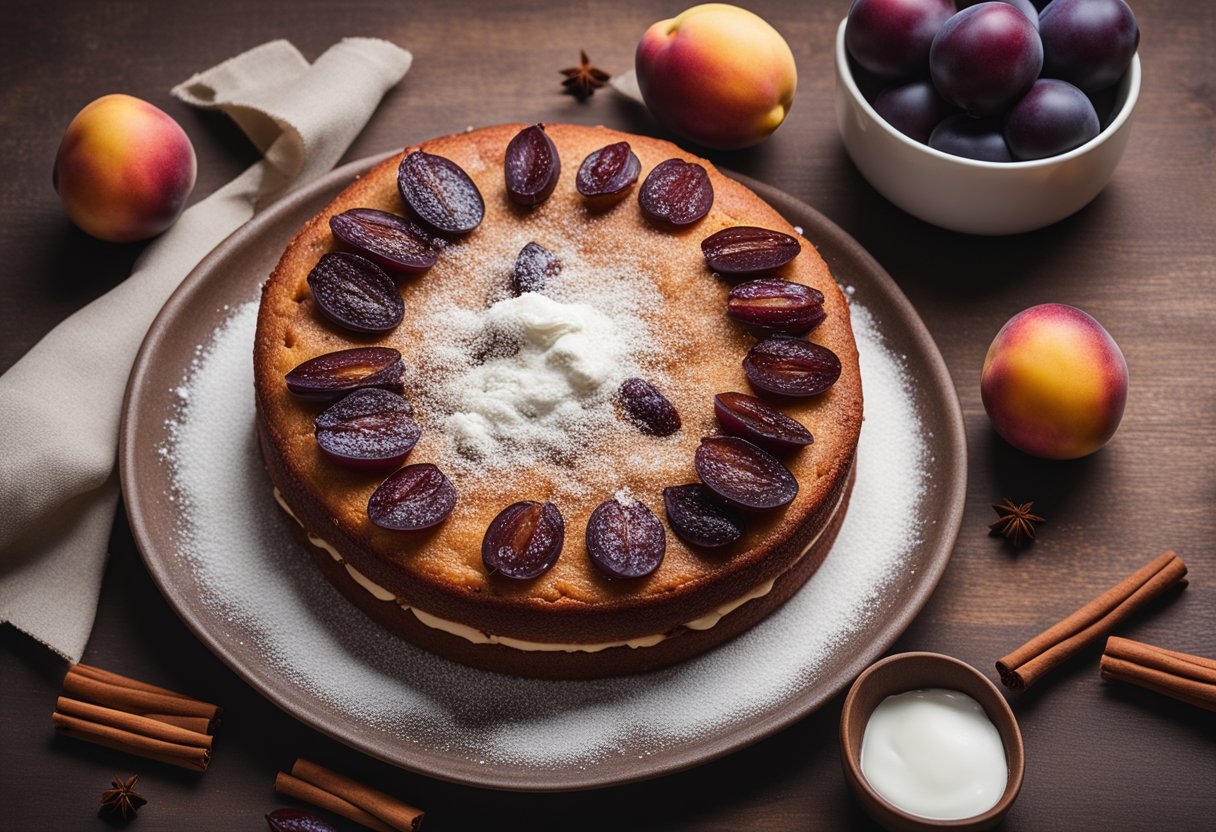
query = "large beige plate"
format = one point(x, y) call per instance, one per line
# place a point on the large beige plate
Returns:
point(231, 275)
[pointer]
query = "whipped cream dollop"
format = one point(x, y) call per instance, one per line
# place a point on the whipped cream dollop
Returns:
point(557, 364)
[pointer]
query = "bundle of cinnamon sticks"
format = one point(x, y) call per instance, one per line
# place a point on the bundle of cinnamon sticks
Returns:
point(349, 798)
point(132, 716)
point(1181, 676)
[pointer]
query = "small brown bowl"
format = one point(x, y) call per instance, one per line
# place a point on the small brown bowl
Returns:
point(912, 671)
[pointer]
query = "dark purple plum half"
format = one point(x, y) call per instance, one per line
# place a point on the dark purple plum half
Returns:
point(334, 374)
point(759, 422)
point(676, 193)
point(440, 194)
point(531, 166)
point(391, 242)
point(415, 498)
point(744, 474)
point(700, 518)
point(524, 540)
point(775, 305)
point(648, 408)
point(625, 539)
point(534, 266)
point(369, 428)
point(748, 250)
point(608, 172)
point(355, 293)
point(791, 367)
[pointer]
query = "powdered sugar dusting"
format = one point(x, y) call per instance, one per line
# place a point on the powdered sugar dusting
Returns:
point(250, 576)
point(507, 382)
point(551, 382)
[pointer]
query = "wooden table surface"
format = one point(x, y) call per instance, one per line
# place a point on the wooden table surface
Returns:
point(1141, 258)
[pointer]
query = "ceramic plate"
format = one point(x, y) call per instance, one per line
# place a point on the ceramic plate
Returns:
point(339, 673)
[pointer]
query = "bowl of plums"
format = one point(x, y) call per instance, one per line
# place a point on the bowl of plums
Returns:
point(987, 117)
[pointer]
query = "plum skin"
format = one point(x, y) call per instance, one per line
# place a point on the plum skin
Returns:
point(913, 109)
point(985, 58)
point(891, 38)
point(1088, 43)
point(971, 138)
point(1053, 118)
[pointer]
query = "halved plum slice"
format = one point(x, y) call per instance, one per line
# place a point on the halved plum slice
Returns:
point(743, 474)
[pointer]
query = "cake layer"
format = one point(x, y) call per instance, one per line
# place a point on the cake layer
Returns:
point(570, 660)
point(629, 618)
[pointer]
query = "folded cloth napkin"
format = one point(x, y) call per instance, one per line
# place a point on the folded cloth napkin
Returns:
point(60, 404)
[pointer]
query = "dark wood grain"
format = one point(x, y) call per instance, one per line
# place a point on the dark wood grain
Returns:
point(1141, 258)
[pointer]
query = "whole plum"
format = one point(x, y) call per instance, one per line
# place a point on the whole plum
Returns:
point(1053, 118)
point(985, 58)
point(892, 37)
point(1088, 43)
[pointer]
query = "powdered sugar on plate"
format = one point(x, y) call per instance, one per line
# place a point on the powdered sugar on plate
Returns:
point(253, 575)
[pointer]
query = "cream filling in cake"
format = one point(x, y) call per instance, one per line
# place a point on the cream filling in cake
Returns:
point(476, 636)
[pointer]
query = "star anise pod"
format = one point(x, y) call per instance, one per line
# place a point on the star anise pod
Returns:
point(582, 81)
point(1014, 521)
point(120, 801)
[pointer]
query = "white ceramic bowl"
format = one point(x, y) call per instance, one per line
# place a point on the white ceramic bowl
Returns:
point(972, 196)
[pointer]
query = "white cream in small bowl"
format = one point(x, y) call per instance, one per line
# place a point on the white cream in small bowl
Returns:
point(935, 753)
point(971, 196)
point(928, 742)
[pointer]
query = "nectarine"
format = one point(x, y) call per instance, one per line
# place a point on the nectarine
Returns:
point(124, 169)
point(717, 74)
point(1054, 382)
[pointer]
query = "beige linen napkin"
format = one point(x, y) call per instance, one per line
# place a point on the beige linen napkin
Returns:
point(60, 404)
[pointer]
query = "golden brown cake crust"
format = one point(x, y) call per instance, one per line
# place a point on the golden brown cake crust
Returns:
point(699, 354)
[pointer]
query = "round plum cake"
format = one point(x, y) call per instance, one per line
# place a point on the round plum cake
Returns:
point(557, 401)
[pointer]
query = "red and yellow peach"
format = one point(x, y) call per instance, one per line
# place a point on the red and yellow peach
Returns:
point(1054, 382)
point(124, 169)
point(717, 74)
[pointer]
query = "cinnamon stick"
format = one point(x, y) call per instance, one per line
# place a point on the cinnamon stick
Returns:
point(145, 726)
point(1181, 676)
point(185, 756)
point(117, 679)
point(191, 723)
point(130, 695)
point(1026, 665)
point(340, 792)
point(296, 788)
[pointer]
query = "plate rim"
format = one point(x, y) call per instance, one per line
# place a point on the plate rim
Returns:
point(833, 243)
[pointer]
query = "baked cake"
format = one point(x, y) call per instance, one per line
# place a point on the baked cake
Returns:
point(562, 329)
